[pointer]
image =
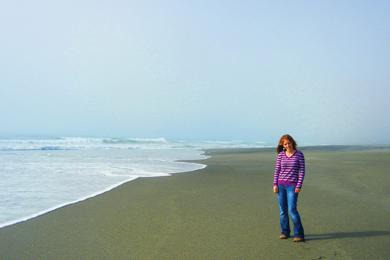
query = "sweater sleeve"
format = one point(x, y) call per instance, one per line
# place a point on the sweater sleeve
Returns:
point(277, 169)
point(301, 172)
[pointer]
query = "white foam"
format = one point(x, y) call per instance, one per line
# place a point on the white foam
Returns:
point(64, 204)
point(41, 175)
point(42, 212)
point(36, 182)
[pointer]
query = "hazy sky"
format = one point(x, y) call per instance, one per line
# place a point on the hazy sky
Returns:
point(242, 70)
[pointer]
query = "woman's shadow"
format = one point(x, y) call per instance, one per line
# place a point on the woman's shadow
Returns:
point(340, 235)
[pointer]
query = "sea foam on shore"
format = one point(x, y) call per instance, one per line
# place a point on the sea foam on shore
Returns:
point(40, 175)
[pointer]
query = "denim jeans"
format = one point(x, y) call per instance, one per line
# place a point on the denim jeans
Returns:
point(288, 204)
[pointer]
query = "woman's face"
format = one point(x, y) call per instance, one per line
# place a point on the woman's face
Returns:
point(288, 145)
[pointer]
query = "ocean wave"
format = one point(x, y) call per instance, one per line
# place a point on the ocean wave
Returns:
point(81, 143)
point(160, 140)
point(56, 148)
point(65, 178)
point(44, 148)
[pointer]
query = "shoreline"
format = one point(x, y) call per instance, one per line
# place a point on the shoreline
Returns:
point(40, 213)
point(97, 193)
point(224, 211)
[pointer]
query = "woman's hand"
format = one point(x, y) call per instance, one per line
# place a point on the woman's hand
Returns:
point(297, 190)
point(275, 188)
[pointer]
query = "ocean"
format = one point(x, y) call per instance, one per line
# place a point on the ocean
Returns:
point(40, 175)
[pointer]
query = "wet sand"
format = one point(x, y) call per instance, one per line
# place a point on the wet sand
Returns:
point(225, 211)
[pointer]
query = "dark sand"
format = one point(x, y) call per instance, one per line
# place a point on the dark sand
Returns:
point(225, 211)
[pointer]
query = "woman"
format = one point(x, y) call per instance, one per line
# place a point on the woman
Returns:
point(288, 179)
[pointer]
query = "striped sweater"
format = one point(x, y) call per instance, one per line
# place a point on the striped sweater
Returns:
point(290, 170)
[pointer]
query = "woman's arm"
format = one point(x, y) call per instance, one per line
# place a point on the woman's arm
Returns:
point(277, 172)
point(301, 172)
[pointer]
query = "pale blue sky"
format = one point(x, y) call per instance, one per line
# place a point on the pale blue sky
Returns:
point(241, 70)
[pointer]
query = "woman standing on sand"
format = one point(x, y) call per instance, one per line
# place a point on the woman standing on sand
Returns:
point(288, 179)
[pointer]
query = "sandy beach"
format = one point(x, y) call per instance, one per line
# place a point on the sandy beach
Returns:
point(225, 211)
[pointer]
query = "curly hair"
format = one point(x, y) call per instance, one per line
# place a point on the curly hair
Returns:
point(279, 148)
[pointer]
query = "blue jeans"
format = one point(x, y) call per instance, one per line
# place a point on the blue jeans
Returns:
point(288, 204)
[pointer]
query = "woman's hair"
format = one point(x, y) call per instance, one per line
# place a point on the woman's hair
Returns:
point(279, 148)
